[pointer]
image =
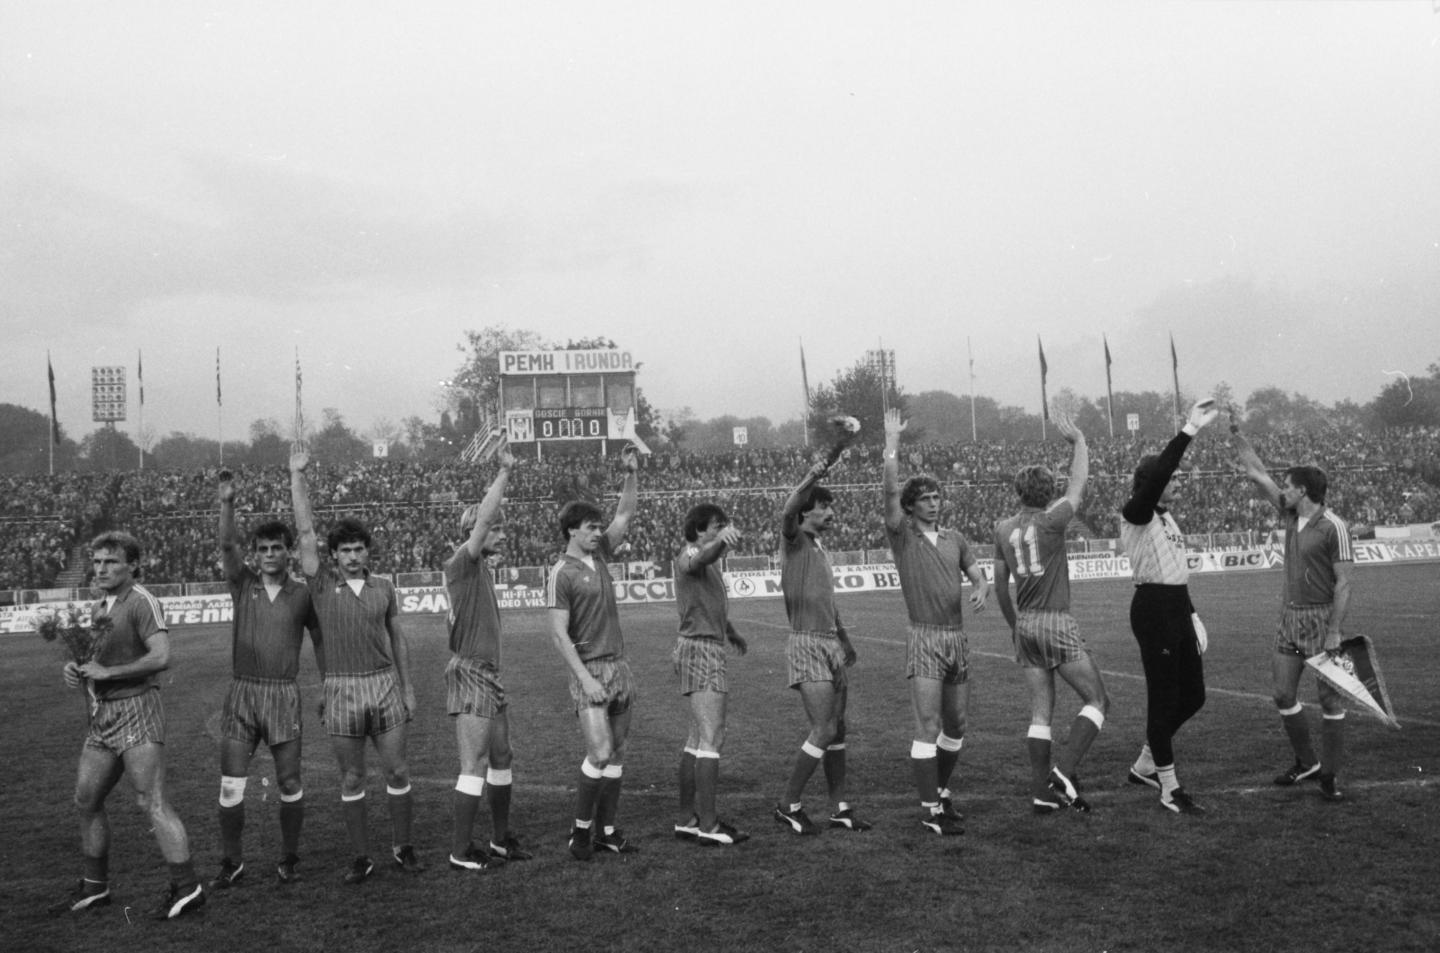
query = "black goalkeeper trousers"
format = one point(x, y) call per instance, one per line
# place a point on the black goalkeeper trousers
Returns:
point(1170, 654)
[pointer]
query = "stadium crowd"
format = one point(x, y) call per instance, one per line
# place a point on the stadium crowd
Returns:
point(1376, 478)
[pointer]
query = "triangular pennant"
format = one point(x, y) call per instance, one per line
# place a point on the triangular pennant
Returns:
point(1354, 671)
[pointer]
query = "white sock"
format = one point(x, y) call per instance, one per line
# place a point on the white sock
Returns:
point(1168, 781)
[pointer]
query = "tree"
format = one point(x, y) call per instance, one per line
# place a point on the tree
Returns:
point(1409, 401)
point(857, 393)
point(183, 451)
point(107, 448)
point(1272, 409)
point(268, 446)
point(25, 442)
point(334, 442)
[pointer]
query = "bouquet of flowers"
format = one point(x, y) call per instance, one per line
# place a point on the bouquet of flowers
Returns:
point(82, 642)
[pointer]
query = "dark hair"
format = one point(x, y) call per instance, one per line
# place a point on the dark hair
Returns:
point(348, 530)
point(1312, 480)
point(699, 519)
point(576, 512)
point(116, 539)
point(818, 496)
point(273, 529)
point(1035, 485)
point(916, 487)
point(1145, 470)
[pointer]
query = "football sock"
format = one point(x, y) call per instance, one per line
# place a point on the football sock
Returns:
point(1037, 745)
point(707, 779)
point(1083, 731)
point(587, 791)
point(687, 781)
point(356, 823)
point(467, 806)
point(402, 807)
point(947, 755)
point(292, 819)
point(834, 762)
point(923, 766)
point(499, 784)
point(1168, 781)
point(1332, 743)
point(1298, 731)
point(805, 764)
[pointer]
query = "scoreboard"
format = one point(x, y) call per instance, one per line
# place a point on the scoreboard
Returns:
point(107, 394)
point(572, 423)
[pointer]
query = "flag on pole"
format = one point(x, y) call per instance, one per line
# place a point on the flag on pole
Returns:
point(1354, 671)
point(1175, 371)
point(1109, 387)
point(805, 383)
point(299, 406)
point(218, 401)
point(54, 419)
point(1044, 372)
point(140, 375)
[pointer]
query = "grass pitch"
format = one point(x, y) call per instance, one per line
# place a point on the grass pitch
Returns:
point(1268, 869)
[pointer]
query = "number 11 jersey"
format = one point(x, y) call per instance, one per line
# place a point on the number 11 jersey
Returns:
point(1032, 543)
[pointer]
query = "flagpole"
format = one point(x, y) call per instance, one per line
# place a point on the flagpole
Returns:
point(805, 383)
point(1175, 370)
point(54, 425)
point(140, 418)
point(219, 410)
point(1109, 389)
point(973, 437)
point(1044, 398)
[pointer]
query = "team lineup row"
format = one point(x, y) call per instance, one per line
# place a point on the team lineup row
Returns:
point(362, 655)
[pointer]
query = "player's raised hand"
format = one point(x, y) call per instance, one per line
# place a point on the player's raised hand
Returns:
point(299, 460)
point(894, 426)
point(226, 486)
point(1067, 428)
point(503, 454)
point(730, 536)
point(1203, 413)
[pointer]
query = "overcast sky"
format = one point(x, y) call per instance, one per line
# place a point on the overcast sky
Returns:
point(709, 185)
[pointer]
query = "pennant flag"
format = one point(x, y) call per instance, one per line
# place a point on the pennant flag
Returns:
point(1354, 671)
point(218, 401)
point(140, 375)
point(1044, 371)
point(54, 419)
point(628, 433)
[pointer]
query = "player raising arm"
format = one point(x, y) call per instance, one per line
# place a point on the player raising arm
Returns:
point(1030, 546)
point(1316, 596)
point(817, 654)
point(368, 692)
point(932, 563)
point(585, 629)
point(699, 658)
